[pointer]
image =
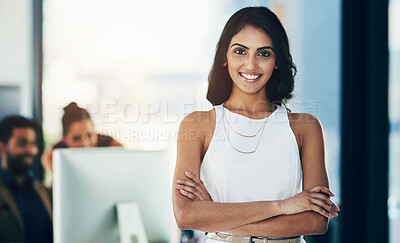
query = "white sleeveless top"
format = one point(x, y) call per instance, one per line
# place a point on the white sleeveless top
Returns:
point(272, 172)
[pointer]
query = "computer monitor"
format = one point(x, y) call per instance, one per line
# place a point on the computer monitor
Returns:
point(89, 183)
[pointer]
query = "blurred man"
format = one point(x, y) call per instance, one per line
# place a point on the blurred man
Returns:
point(25, 205)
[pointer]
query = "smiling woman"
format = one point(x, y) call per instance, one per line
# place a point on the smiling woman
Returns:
point(251, 66)
point(248, 169)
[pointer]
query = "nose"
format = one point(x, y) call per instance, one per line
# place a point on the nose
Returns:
point(32, 149)
point(251, 63)
point(86, 142)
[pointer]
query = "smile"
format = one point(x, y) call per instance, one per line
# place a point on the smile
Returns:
point(250, 77)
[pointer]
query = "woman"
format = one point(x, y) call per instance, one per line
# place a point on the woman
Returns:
point(262, 168)
point(78, 132)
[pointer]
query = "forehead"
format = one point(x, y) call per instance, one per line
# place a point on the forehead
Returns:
point(26, 133)
point(251, 36)
point(79, 127)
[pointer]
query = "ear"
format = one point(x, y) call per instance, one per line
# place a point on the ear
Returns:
point(3, 154)
point(276, 64)
point(225, 64)
point(2, 147)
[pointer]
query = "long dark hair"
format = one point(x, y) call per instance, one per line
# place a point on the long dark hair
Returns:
point(280, 86)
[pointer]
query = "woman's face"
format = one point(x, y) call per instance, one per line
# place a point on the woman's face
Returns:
point(250, 60)
point(81, 134)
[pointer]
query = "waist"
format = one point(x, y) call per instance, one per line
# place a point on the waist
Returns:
point(252, 239)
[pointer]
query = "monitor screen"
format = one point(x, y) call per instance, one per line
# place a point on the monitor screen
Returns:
point(88, 184)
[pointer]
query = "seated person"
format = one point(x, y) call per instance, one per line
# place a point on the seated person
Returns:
point(25, 204)
point(78, 132)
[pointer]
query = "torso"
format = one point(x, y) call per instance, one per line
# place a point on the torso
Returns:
point(208, 128)
point(236, 168)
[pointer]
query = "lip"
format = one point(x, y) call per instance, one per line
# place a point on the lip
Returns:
point(28, 159)
point(250, 80)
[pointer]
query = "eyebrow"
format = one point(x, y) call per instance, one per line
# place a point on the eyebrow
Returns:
point(245, 47)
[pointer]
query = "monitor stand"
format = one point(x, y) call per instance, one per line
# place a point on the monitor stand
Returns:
point(131, 229)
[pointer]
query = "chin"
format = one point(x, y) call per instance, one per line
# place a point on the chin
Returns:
point(253, 90)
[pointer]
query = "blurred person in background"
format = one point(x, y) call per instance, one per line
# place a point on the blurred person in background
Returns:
point(78, 132)
point(25, 204)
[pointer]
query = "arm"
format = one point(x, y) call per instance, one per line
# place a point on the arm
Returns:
point(198, 212)
point(314, 173)
point(305, 223)
point(208, 215)
point(115, 143)
point(47, 160)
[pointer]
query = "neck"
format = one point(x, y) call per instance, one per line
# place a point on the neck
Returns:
point(20, 179)
point(252, 103)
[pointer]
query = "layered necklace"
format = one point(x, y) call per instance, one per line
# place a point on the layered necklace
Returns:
point(261, 129)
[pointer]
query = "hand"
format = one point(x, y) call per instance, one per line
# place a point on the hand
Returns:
point(193, 188)
point(47, 160)
point(314, 199)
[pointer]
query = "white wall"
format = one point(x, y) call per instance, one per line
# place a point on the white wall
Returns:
point(16, 49)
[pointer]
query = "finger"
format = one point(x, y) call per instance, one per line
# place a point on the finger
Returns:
point(191, 183)
point(324, 206)
point(322, 189)
point(195, 179)
point(196, 182)
point(326, 199)
point(321, 211)
point(188, 182)
point(325, 190)
point(191, 190)
point(188, 194)
point(195, 188)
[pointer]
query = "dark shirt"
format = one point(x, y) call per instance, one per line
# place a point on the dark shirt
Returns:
point(36, 220)
point(102, 141)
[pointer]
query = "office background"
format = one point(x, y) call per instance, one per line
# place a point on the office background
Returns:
point(139, 67)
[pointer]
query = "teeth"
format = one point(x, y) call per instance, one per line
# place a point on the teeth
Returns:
point(249, 76)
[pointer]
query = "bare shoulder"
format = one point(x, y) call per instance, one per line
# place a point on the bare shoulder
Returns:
point(304, 123)
point(306, 128)
point(198, 120)
point(198, 127)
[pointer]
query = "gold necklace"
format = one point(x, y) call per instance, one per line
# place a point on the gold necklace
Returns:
point(242, 135)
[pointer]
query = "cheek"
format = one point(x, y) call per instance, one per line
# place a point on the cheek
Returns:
point(93, 140)
point(268, 67)
point(70, 142)
point(233, 67)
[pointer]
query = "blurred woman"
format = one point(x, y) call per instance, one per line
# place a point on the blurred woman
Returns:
point(78, 132)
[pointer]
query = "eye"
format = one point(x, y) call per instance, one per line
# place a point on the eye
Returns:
point(264, 54)
point(239, 51)
point(22, 142)
point(76, 138)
